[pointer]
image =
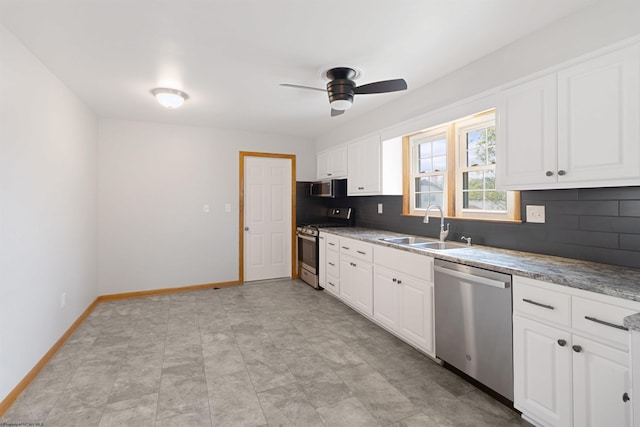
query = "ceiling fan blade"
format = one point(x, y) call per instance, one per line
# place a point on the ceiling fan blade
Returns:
point(302, 87)
point(336, 112)
point(382, 87)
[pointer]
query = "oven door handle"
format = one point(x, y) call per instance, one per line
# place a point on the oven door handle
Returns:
point(306, 237)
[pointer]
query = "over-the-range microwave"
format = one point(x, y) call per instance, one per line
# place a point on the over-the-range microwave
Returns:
point(329, 188)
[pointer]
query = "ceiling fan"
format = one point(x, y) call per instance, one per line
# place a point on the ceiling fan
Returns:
point(341, 88)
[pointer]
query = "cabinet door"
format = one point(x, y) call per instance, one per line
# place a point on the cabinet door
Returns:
point(364, 167)
point(542, 372)
point(347, 276)
point(322, 260)
point(416, 312)
point(363, 278)
point(338, 162)
point(322, 165)
point(526, 139)
point(600, 379)
point(599, 118)
point(385, 297)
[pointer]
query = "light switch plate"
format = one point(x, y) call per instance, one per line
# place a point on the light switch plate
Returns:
point(205, 209)
point(227, 207)
point(535, 214)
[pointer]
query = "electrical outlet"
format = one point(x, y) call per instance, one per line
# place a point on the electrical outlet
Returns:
point(205, 209)
point(535, 214)
point(227, 207)
point(63, 300)
point(379, 208)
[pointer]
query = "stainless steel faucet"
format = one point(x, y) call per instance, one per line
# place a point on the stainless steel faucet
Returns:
point(443, 233)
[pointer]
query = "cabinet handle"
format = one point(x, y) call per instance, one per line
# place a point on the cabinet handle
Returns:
point(550, 307)
point(321, 237)
point(332, 244)
point(562, 343)
point(549, 173)
point(352, 264)
point(331, 284)
point(602, 322)
point(346, 248)
point(577, 348)
point(399, 282)
point(561, 172)
point(329, 174)
point(360, 188)
point(361, 252)
point(625, 398)
point(332, 264)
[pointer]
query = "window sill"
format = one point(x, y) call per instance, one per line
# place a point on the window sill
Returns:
point(458, 218)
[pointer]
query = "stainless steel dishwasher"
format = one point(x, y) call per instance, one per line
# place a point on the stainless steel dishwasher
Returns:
point(473, 323)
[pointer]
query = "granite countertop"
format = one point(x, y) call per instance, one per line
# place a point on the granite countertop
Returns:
point(621, 282)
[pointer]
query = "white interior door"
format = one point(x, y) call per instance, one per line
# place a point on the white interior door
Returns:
point(267, 218)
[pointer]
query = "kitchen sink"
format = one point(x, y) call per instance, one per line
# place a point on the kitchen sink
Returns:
point(409, 240)
point(438, 246)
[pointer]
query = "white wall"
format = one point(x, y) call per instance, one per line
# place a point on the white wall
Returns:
point(153, 182)
point(603, 23)
point(48, 244)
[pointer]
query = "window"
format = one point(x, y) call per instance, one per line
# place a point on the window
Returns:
point(453, 166)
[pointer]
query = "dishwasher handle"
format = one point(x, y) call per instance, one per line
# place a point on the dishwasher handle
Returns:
point(472, 277)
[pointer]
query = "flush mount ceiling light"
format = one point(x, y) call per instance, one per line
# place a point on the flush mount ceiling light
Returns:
point(169, 98)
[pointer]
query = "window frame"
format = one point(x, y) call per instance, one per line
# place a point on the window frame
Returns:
point(453, 194)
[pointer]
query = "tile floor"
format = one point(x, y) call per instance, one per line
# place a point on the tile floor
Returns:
point(275, 353)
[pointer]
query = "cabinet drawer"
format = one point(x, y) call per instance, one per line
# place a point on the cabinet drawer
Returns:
point(332, 284)
point(356, 249)
point(418, 266)
point(333, 242)
point(599, 319)
point(333, 263)
point(545, 304)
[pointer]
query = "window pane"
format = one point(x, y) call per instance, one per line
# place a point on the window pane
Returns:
point(491, 154)
point(422, 200)
point(473, 200)
point(424, 150)
point(435, 199)
point(437, 183)
point(475, 138)
point(425, 165)
point(473, 159)
point(422, 185)
point(473, 180)
point(496, 201)
point(439, 147)
point(489, 180)
point(440, 163)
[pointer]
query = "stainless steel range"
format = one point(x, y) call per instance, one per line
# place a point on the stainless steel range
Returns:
point(308, 246)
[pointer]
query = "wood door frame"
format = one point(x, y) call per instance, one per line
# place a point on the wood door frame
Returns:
point(292, 158)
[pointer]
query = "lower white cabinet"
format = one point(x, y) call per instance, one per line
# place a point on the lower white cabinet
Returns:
point(356, 274)
point(403, 295)
point(570, 371)
point(404, 305)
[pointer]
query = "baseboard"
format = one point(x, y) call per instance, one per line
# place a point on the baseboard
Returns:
point(22, 385)
point(153, 292)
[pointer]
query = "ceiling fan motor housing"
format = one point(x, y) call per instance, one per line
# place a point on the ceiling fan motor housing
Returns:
point(340, 86)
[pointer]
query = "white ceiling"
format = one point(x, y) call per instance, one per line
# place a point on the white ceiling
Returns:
point(231, 55)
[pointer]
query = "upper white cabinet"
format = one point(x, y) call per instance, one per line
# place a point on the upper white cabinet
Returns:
point(375, 167)
point(332, 164)
point(577, 127)
point(527, 143)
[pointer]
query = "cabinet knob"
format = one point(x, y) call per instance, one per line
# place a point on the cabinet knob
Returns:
point(329, 174)
point(577, 348)
point(549, 173)
point(399, 282)
point(625, 398)
point(562, 343)
point(394, 280)
point(561, 172)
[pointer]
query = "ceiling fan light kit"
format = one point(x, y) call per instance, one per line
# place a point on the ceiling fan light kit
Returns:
point(341, 87)
point(169, 98)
